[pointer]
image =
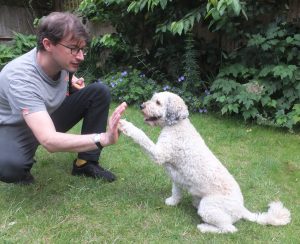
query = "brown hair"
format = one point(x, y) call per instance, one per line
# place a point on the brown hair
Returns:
point(58, 25)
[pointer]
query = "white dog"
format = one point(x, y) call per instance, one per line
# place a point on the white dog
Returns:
point(192, 166)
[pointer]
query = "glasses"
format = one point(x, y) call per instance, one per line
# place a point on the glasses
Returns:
point(75, 50)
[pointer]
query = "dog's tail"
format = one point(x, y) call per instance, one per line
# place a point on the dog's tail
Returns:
point(277, 215)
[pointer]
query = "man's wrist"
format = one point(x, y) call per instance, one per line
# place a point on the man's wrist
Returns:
point(97, 141)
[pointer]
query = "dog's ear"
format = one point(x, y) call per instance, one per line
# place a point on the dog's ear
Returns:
point(176, 110)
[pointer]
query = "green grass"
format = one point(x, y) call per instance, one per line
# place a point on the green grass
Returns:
point(60, 208)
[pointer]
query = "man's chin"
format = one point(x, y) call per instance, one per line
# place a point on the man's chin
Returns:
point(73, 67)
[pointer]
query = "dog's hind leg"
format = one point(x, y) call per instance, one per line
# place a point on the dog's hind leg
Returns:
point(204, 228)
point(196, 202)
point(216, 219)
point(176, 196)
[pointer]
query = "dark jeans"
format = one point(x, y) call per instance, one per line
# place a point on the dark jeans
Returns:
point(18, 144)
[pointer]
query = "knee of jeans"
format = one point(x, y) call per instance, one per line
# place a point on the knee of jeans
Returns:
point(102, 91)
point(10, 172)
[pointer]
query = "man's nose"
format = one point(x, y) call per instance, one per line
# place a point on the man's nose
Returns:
point(80, 55)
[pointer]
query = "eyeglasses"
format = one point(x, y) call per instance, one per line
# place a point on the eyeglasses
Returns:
point(75, 50)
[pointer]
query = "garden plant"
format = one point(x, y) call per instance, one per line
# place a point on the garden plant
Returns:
point(244, 100)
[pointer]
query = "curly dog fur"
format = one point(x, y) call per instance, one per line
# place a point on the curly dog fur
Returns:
point(192, 166)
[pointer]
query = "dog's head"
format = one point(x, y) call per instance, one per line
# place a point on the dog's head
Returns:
point(164, 109)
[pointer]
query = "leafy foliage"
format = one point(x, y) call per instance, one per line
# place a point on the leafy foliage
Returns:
point(152, 29)
point(130, 86)
point(221, 11)
point(265, 87)
point(103, 54)
point(21, 44)
point(193, 80)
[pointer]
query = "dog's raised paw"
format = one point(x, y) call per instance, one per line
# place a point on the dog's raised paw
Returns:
point(125, 126)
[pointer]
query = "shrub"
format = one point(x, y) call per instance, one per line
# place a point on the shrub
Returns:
point(130, 86)
point(262, 80)
point(20, 45)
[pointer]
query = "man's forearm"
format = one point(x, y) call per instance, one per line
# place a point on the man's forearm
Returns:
point(64, 142)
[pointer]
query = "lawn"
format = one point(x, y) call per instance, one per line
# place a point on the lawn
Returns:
point(60, 208)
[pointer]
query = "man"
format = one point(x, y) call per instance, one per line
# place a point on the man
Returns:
point(34, 108)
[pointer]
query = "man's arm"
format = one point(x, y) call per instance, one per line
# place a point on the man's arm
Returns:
point(44, 130)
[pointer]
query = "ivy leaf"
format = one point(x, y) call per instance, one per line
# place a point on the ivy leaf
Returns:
point(163, 3)
point(266, 46)
point(289, 40)
point(297, 37)
point(224, 109)
point(221, 99)
point(234, 107)
point(266, 70)
point(236, 7)
point(284, 71)
point(250, 113)
point(256, 40)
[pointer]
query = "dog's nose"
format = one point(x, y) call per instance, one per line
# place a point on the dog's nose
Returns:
point(142, 106)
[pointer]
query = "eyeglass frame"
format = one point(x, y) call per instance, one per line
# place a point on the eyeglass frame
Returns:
point(84, 50)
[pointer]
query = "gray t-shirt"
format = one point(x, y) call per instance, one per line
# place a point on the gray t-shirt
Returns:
point(24, 87)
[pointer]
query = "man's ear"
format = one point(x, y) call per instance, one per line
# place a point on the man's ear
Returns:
point(47, 44)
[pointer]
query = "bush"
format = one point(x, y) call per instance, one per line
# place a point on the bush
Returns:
point(262, 80)
point(130, 86)
point(20, 45)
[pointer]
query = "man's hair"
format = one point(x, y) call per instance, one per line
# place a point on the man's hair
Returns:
point(59, 25)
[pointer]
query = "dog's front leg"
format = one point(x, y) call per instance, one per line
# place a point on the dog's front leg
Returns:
point(157, 153)
point(176, 196)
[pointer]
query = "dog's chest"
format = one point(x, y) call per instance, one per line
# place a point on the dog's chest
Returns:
point(177, 175)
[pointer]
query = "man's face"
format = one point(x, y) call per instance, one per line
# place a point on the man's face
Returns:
point(69, 53)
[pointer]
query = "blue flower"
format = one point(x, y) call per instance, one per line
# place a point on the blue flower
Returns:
point(165, 88)
point(124, 73)
point(112, 84)
point(202, 110)
point(120, 79)
point(181, 78)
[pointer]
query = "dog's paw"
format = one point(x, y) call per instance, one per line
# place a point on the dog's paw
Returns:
point(125, 127)
point(172, 201)
point(207, 228)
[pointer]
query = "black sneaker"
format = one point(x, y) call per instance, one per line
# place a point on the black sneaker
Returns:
point(28, 179)
point(94, 170)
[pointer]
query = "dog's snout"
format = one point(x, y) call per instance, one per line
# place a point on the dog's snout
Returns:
point(142, 106)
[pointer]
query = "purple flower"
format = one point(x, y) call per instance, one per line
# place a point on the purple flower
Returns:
point(181, 78)
point(112, 84)
point(202, 110)
point(165, 88)
point(124, 73)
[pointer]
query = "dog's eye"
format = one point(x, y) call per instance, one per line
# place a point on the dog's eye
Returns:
point(158, 102)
